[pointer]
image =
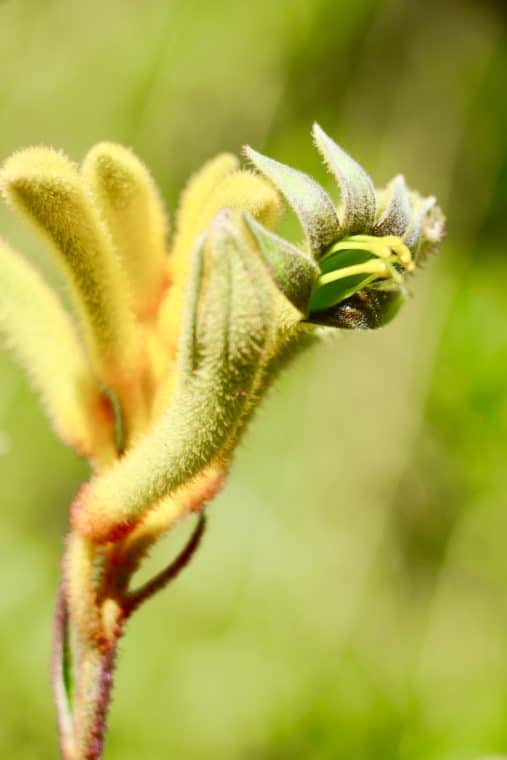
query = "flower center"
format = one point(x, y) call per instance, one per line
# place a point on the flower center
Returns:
point(358, 262)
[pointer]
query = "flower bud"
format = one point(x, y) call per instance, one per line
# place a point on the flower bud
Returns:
point(366, 247)
point(133, 212)
point(46, 188)
point(234, 318)
point(41, 335)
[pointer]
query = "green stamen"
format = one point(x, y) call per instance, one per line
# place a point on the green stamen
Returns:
point(356, 263)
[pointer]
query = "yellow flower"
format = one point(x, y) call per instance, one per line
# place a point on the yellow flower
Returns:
point(155, 374)
point(169, 345)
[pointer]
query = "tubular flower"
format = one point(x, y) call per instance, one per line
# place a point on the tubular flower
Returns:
point(170, 345)
point(366, 247)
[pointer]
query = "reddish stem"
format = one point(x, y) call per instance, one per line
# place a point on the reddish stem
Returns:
point(89, 658)
point(169, 573)
point(95, 725)
point(59, 665)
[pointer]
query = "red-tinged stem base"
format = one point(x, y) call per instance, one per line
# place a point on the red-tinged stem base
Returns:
point(87, 634)
point(93, 706)
point(82, 682)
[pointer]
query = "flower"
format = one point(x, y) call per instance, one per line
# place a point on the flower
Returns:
point(167, 350)
point(367, 246)
point(173, 348)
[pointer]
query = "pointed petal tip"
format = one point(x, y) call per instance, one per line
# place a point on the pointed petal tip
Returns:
point(316, 129)
point(412, 237)
point(293, 271)
point(395, 217)
point(356, 186)
point(249, 153)
point(312, 205)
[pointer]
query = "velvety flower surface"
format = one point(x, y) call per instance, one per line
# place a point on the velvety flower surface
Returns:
point(170, 342)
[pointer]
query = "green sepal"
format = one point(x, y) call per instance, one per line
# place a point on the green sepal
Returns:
point(356, 187)
point(312, 205)
point(294, 272)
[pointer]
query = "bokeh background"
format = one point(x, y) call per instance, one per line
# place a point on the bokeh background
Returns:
point(350, 599)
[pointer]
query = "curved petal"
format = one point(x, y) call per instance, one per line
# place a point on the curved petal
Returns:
point(395, 218)
point(357, 191)
point(313, 206)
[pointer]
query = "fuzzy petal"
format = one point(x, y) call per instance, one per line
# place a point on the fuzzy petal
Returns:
point(357, 191)
point(395, 218)
point(293, 271)
point(312, 205)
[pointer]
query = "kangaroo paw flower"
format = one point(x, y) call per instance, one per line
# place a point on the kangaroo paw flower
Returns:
point(366, 246)
point(170, 344)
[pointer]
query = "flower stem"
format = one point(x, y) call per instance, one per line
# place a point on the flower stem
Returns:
point(169, 573)
point(82, 683)
point(93, 700)
point(60, 672)
point(93, 606)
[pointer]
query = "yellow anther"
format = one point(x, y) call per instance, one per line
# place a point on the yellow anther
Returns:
point(401, 250)
point(382, 247)
point(377, 249)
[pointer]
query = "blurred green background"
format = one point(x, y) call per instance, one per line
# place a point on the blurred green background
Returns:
point(350, 599)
